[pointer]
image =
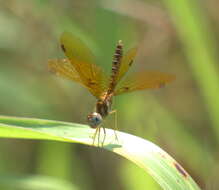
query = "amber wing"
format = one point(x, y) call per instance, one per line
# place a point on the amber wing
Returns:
point(63, 68)
point(80, 66)
point(143, 80)
point(126, 63)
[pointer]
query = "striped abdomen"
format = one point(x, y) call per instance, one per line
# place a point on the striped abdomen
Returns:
point(115, 67)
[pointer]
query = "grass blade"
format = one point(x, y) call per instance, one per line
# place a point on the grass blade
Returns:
point(164, 169)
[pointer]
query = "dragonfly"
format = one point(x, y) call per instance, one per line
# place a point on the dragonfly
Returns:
point(80, 66)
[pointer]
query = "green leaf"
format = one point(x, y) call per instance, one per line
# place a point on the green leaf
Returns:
point(163, 168)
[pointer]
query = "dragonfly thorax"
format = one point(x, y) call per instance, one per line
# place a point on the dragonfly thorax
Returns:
point(103, 108)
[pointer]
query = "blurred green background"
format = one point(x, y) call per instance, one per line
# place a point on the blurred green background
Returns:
point(178, 37)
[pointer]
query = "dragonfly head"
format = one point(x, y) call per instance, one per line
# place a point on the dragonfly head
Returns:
point(94, 119)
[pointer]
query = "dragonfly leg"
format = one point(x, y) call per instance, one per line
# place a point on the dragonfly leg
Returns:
point(104, 131)
point(115, 124)
point(113, 112)
point(98, 136)
point(95, 135)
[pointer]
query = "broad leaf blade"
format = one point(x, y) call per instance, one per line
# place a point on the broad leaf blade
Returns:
point(163, 168)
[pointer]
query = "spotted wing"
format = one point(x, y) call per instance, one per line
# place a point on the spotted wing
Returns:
point(126, 63)
point(83, 61)
point(143, 80)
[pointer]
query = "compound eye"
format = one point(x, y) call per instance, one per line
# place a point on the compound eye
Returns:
point(94, 119)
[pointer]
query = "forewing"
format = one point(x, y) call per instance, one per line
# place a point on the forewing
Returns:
point(83, 61)
point(126, 62)
point(143, 80)
point(76, 49)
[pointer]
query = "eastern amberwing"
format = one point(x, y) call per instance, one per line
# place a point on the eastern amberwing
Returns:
point(80, 67)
